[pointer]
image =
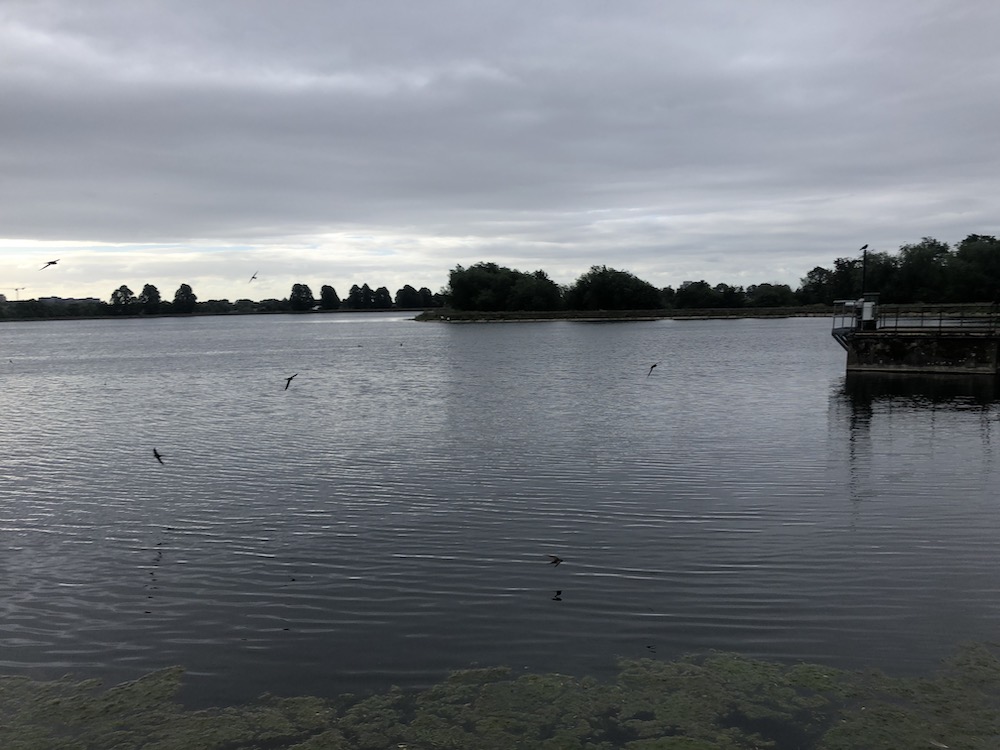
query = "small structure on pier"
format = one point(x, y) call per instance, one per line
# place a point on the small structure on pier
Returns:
point(926, 339)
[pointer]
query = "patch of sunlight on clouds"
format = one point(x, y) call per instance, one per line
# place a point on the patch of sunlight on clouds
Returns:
point(26, 244)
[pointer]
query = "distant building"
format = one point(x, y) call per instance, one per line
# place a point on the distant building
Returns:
point(68, 300)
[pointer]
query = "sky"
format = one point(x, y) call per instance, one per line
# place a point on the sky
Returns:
point(388, 141)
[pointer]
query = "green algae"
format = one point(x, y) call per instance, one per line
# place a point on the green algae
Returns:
point(717, 701)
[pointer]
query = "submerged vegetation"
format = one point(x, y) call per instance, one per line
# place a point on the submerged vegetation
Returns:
point(716, 702)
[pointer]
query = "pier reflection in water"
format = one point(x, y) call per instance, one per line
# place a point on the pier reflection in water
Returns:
point(957, 390)
point(922, 464)
point(920, 408)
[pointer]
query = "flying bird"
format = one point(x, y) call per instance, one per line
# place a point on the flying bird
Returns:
point(50, 263)
point(554, 560)
point(253, 277)
point(288, 380)
point(158, 455)
point(557, 597)
point(651, 368)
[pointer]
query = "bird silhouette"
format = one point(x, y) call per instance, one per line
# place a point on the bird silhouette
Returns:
point(554, 560)
point(651, 368)
point(50, 263)
point(288, 380)
point(158, 455)
point(253, 277)
point(557, 597)
point(865, 246)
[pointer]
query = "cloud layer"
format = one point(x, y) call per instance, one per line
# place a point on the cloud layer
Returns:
point(384, 143)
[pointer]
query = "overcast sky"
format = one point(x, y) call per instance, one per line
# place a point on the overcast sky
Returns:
point(385, 142)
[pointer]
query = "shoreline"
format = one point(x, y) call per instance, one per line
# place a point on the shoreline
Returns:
point(712, 700)
point(444, 315)
point(447, 315)
point(234, 313)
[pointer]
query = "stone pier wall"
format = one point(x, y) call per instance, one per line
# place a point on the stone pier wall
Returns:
point(943, 352)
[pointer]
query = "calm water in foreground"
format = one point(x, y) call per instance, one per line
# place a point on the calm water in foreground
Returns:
point(389, 516)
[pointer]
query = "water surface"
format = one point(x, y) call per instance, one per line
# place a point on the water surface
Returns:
point(388, 517)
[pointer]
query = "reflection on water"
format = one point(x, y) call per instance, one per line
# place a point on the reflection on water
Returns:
point(862, 387)
point(923, 407)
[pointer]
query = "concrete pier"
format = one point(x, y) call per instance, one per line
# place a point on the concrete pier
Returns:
point(924, 340)
point(919, 352)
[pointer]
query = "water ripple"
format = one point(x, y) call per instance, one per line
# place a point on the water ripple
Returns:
point(389, 517)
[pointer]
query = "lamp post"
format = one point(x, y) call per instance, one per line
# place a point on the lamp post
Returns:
point(864, 267)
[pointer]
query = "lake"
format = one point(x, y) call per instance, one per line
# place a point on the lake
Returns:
point(388, 517)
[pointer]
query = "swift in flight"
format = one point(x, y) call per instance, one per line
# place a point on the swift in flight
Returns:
point(651, 368)
point(50, 263)
point(158, 455)
point(288, 380)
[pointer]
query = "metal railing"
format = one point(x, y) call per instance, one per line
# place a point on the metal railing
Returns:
point(971, 319)
point(929, 318)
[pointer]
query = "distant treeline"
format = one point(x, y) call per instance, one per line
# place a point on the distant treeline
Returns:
point(929, 272)
point(124, 301)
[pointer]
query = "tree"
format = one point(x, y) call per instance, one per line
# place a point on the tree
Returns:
point(149, 299)
point(184, 299)
point(301, 298)
point(328, 299)
point(489, 287)
point(697, 295)
point(845, 280)
point(408, 297)
point(354, 299)
point(770, 295)
point(272, 305)
point(731, 296)
point(535, 291)
point(427, 299)
point(603, 288)
point(482, 286)
point(974, 270)
point(815, 287)
point(121, 300)
point(921, 275)
point(360, 298)
point(215, 306)
point(881, 272)
point(367, 297)
point(381, 299)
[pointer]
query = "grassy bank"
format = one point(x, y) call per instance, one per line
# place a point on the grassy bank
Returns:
point(713, 702)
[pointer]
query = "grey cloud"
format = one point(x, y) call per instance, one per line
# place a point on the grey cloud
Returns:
point(646, 135)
